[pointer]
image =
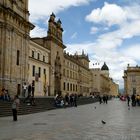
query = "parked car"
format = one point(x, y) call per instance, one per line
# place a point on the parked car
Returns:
point(122, 98)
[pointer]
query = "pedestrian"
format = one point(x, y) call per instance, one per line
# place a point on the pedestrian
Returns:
point(128, 100)
point(75, 100)
point(71, 100)
point(15, 106)
point(138, 100)
point(67, 101)
point(133, 98)
point(100, 99)
point(33, 88)
point(3, 94)
point(29, 89)
point(8, 98)
point(106, 99)
point(24, 89)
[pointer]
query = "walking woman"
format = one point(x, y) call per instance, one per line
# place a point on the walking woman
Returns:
point(15, 106)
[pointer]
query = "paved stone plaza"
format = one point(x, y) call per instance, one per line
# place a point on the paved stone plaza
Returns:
point(81, 123)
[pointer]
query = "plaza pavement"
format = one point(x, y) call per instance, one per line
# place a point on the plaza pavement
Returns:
point(81, 123)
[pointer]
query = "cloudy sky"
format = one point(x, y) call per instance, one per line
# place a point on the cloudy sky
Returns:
point(108, 30)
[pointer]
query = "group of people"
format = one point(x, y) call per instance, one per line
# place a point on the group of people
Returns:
point(103, 99)
point(68, 100)
point(4, 95)
point(28, 93)
point(135, 100)
point(28, 89)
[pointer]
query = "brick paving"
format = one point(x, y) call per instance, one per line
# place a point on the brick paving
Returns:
point(81, 123)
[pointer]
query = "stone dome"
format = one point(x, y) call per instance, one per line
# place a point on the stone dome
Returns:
point(104, 67)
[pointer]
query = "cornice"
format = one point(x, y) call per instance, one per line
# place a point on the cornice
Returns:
point(75, 60)
point(9, 15)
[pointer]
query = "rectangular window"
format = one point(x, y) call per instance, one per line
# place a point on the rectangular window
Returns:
point(67, 73)
point(45, 71)
point(70, 87)
point(64, 86)
point(18, 57)
point(43, 58)
point(39, 72)
point(38, 56)
point(33, 72)
point(18, 89)
point(33, 54)
point(67, 86)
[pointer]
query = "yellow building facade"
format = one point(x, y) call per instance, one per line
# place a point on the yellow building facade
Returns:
point(76, 74)
point(39, 68)
point(114, 88)
point(95, 85)
point(101, 83)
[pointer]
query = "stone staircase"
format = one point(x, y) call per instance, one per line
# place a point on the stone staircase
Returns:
point(42, 104)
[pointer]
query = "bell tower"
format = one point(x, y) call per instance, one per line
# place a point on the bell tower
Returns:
point(14, 38)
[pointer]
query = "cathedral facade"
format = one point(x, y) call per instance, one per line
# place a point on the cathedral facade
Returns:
point(14, 38)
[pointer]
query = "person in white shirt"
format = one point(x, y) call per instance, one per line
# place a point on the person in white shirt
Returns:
point(24, 89)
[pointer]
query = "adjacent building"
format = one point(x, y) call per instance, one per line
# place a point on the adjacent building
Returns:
point(132, 80)
point(39, 68)
point(101, 83)
point(68, 73)
point(76, 74)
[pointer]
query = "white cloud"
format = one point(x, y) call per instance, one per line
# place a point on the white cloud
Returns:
point(94, 30)
point(42, 8)
point(112, 14)
point(132, 51)
point(38, 32)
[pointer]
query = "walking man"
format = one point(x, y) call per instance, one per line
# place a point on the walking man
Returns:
point(128, 100)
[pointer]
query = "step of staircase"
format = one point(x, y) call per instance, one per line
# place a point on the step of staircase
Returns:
point(41, 104)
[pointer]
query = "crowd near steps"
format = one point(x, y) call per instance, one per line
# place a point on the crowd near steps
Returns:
point(41, 104)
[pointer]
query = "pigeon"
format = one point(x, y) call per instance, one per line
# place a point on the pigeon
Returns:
point(128, 108)
point(95, 107)
point(103, 122)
